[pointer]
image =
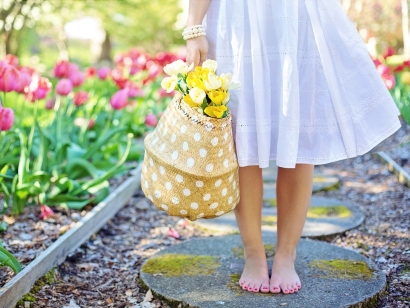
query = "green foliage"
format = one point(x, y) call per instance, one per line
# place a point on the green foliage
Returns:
point(7, 259)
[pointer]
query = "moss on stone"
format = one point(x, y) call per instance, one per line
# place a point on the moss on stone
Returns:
point(176, 265)
point(272, 202)
point(342, 269)
point(269, 220)
point(340, 211)
point(269, 251)
point(233, 284)
point(48, 278)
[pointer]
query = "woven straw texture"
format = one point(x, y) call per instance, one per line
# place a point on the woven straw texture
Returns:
point(190, 167)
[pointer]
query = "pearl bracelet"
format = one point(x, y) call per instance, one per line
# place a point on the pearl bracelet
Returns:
point(194, 31)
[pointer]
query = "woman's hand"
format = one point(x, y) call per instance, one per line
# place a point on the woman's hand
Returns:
point(197, 50)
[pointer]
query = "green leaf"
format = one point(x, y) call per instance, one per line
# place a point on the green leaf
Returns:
point(102, 141)
point(6, 258)
point(3, 226)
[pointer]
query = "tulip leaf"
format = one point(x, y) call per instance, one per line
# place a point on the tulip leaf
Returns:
point(101, 141)
point(7, 259)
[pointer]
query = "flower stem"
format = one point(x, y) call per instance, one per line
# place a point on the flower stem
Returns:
point(31, 136)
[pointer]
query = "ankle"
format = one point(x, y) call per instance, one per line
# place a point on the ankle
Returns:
point(286, 254)
point(254, 252)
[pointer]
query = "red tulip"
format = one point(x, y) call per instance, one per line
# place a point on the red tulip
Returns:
point(9, 78)
point(390, 82)
point(12, 60)
point(117, 74)
point(62, 69)
point(90, 71)
point(103, 72)
point(173, 233)
point(77, 78)
point(23, 82)
point(120, 99)
point(64, 87)
point(389, 52)
point(151, 120)
point(91, 123)
point(80, 98)
point(6, 118)
point(399, 68)
point(50, 103)
point(46, 212)
point(376, 62)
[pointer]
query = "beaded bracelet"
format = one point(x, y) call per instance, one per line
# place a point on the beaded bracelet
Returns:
point(194, 31)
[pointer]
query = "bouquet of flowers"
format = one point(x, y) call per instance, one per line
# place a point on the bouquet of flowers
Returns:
point(202, 89)
point(190, 167)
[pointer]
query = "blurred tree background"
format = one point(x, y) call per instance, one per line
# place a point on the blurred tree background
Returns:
point(88, 31)
point(41, 30)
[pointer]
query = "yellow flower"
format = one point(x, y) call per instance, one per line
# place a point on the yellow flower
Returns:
point(189, 101)
point(217, 96)
point(215, 111)
point(193, 80)
point(204, 74)
point(405, 78)
point(169, 83)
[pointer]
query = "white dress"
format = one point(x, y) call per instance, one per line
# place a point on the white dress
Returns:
point(310, 91)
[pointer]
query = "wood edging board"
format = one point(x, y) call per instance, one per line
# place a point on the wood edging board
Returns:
point(54, 255)
point(402, 175)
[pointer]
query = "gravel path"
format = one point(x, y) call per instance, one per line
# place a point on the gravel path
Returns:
point(104, 271)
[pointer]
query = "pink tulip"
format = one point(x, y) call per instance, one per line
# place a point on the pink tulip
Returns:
point(64, 87)
point(23, 82)
point(46, 212)
point(91, 123)
point(39, 88)
point(117, 74)
point(134, 90)
point(120, 99)
point(6, 118)
point(390, 82)
point(12, 60)
point(173, 233)
point(151, 120)
point(9, 78)
point(50, 103)
point(80, 98)
point(62, 69)
point(383, 70)
point(77, 78)
point(103, 72)
point(389, 52)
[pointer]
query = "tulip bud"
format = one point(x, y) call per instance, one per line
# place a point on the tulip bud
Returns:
point(151, 120)
point(120, 99)
point(90, 71)
point(103, 72)
point(40, 87)
point(23, 82)
point(80, 98)
point(46, 212)
point(6, 118)
point(64, 87)
point(12, 60)
point(390, 82)
point(50, 103)
point(61, 69)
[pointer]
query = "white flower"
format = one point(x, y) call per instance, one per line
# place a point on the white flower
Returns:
point(178, 67)
point(227, 83)
point(169, 83)
point(210, 64)
point(213, 82)
point(197, 95)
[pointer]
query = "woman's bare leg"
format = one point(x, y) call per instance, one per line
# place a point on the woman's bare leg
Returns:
point(255, 276)
point(293, 192)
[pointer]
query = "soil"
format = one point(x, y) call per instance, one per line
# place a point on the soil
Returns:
point(105, 270)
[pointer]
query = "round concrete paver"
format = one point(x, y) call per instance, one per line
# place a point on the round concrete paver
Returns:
point(325, 217)
point(331, 277)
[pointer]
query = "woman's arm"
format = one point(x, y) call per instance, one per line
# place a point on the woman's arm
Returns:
point(197, 48)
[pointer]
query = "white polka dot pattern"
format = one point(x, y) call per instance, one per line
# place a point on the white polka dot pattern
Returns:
point(197, 136)
point(226, 163)
point(175, 200)
point(162, 147)
point(207, 197)
point(209, 167)
point(194, 205)
point(173, 138)
point(214, 205)
point(185, 146)
point(183, 129)
point(214, 141)
point(165, 207)
point(168, 185)
point(179, 178)
point(154, 177)
point(190, 162)
point(161, 170)
point(174, 155)
point(220, 153)
point(187, 192)
point(202, 152)
point(199, 184)
point(224, 192)
point(183, 212)
point(218, 183)
point(157, 194)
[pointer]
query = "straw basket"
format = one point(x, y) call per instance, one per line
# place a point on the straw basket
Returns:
point(190, 168)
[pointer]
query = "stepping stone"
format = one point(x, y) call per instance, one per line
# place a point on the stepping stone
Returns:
point(325, 217)
point(320, 181)
point(205, 272)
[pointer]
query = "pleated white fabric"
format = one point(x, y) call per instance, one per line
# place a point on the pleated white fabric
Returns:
point(310, 92)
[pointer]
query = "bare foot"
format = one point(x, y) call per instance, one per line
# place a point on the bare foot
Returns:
point(284, 276)
point(255, 276)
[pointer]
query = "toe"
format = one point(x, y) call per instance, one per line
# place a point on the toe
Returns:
point(245, 285)
point(294, 287)
point(265, 288)
point(256, 288)
point(285, 289)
